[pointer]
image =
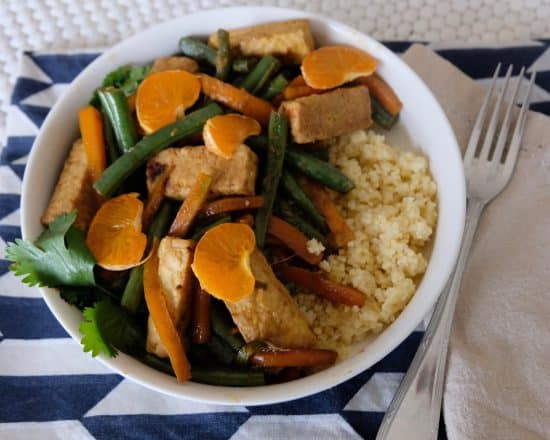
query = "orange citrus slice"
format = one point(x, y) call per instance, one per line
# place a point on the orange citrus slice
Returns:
point(332, 66)
point(222, 261)
point(114, 237)
point(223, 134)
point(164, 96)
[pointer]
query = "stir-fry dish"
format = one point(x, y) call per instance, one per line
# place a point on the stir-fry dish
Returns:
point(231, 214)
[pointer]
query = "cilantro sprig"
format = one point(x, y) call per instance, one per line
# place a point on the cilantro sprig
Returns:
point(106, 328)
point(126, 78)
point(58, 257)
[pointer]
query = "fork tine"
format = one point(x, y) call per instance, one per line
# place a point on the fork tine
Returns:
point(490, 135)
point(503, 135)
point(478, 126)
point(512, 155)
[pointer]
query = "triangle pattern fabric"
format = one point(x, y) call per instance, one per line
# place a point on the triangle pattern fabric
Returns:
point(20, 124)
point(376, 394)
point(10, 183)
point(129, 398)
point(284, 427)
point(45, 97)
point(72, 64)
point(25, 87)
point(17, 147)
point(59, 429)
point(63, 393)
point(29, 69)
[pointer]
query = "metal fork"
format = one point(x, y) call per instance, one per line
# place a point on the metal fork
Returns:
point(415, 410)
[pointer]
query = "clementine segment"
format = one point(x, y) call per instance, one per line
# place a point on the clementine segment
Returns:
point(114, 237)
point(223, 134)
point(332, 66)
point(222, 261)
point(163, 97)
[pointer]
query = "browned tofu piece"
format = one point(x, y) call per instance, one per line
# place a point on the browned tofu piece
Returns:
point(318, 117)
point(73, 190)
point(174, 63)
point(270, 313)
point(290, 40)
point(235, 176)
point(175, 257)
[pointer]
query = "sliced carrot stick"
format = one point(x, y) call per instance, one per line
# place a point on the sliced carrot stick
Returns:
point(319, 285)
point(298, 88)
point(156, 303)
point(293, 239)
point(306, 357)
point(297, 81)
point(155, 198)
point(247, 219)
point(293, 92)
point(237, 99)
point(201, 329)
point(191, 206)
point(382, 91)
point(91, 128)
point(341, 232)
point(229, 204)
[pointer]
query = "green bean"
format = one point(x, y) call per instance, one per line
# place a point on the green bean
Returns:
point(225, 376)
point(223, 56)
point(380, 115)
point(109, 136)
point(162, 365)
point(260, 75)
point(275, 87)
point(322, 154)
point(115, 105)
point(199, 354)
point(224, 327)
point(161, 222)
point(295, 191)
point(133, 292)
point(244, 65)
point(220, 350)
point(194, 48)
point(257, 142)
point(199, 232)
point(289, 214)
point(117, 172)
point(309, 164)
point(277, 140)
point(319, 170)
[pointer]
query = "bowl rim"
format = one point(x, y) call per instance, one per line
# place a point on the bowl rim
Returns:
point(318, 382)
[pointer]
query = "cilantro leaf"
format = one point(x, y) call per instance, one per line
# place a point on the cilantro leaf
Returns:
point(108, 328)
point(58, 257)
point(127, 78)
point(80, 297)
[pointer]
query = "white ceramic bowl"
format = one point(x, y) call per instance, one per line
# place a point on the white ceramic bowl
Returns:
point(422, 118)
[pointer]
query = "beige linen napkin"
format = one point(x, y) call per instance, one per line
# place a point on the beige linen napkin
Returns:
point(498, 378)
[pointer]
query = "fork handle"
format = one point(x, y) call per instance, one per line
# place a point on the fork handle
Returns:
point(415, 410)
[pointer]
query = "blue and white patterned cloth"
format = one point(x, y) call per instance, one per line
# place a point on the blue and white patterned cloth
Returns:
point(50, 389)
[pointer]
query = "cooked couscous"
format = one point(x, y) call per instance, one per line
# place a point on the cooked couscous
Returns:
point(393, 212)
